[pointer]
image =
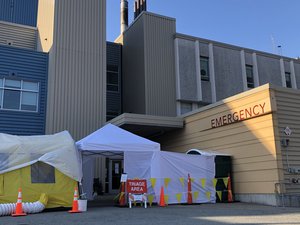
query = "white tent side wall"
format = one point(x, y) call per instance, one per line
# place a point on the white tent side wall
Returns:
point(171, 170)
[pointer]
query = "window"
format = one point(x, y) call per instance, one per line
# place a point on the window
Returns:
point(204, 68)
point(42, 173)
point(185, 107)
point(112, 76)
point(288, 80)
point(250, 78)
point(19, 95)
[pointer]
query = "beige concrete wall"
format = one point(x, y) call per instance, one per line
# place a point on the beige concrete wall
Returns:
point(45, 23)
point(228, 127)
point(287, 115)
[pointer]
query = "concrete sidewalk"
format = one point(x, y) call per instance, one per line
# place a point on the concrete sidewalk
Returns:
point(206, 214)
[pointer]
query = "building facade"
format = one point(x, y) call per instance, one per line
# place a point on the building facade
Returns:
point(259, 128)
point(191, 72)
point(61, 46)
point(57, 72)
point(23, 81)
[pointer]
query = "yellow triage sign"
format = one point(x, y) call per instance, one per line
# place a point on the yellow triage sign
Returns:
point(179, 196)
point(181, 179)
point(167, 181)
point(225, 180)
point(208, 195)
point(219, 193)
point(153, 182)
point(203, 181)
point(196, 195)
point(150, 199)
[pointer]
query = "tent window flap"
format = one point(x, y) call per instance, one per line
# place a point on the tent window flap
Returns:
point(42, 173)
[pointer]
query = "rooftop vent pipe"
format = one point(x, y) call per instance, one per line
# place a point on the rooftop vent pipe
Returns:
point(124, 15)
point(139, 7)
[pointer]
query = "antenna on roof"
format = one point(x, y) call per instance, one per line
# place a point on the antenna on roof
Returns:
point(273, 44)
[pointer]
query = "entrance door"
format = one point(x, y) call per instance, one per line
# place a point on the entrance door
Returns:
point(115, 173)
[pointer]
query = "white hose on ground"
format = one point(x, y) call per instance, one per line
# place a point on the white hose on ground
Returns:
point(28, 207)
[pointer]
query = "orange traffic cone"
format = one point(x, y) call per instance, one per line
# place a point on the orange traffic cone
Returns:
point(230, 197)
point(162, 197)
point(122, 195)
point(190, 197)
point(75, 202)
point(19, 207)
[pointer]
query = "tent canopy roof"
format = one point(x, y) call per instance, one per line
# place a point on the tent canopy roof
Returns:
point(114, 139)
point(57, 150)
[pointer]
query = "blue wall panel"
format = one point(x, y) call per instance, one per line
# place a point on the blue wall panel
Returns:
point(27, 65)
point(19, 11)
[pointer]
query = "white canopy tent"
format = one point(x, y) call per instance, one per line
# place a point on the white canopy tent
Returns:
point(109, 141)
point(143, 159)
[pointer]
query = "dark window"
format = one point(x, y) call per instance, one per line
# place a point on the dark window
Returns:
point(250, 78)
point(11, 99)
point(112, 78)
point(204, 68)
point(42, 173)
point(288, 80)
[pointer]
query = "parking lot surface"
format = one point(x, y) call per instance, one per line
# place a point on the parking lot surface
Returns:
point(206, 214)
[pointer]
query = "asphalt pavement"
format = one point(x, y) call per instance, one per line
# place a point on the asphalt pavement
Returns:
point(206, 214)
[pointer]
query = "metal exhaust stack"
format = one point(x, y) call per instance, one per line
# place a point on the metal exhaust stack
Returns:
point(139, 7)
point(124, 15)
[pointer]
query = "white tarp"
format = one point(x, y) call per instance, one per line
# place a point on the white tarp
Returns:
point(57, 150)
point(173, 168)
point(110, 141)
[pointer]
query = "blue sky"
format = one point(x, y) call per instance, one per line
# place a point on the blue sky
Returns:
point(257, 24)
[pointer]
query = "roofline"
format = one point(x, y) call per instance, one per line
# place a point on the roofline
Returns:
point(234, 47)
point(150, 14)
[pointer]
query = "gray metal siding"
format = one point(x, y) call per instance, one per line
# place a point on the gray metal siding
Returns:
point(77, 68)
point(159, 65)
point(206, 91)
point(133, 70)
point(228, 72)
point(268, 70)
point(288, 114)
point(187, 70)
point(248, 58)
point(203, 48)
point(19, 11)
point(114, 99)
point(31, 66)
point(287, 67)
point(18, 36)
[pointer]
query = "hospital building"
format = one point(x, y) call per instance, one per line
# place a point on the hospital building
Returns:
point(58, 72)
